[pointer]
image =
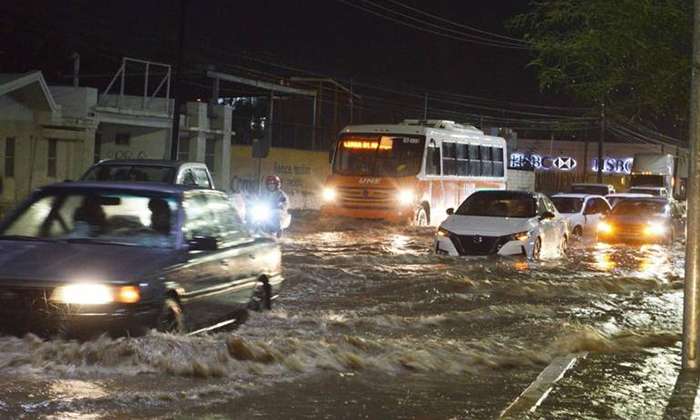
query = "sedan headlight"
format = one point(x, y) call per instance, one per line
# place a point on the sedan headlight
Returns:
point(328, 194)
point(654, 229)
point(406, 197)
point(443, 232)
point(95, 294)
point(605, 227)
point(522, 236)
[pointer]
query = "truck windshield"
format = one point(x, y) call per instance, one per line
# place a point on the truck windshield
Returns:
point(378, 155)
point(632, 207)
point(639, 180)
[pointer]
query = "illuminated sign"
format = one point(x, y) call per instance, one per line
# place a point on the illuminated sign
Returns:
point(561, 163)
point(614, 166)
point(385, 144)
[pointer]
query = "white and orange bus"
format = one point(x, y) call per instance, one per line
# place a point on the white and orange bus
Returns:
point(412, 171)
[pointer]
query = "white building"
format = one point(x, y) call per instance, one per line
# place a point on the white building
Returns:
point(52, 133)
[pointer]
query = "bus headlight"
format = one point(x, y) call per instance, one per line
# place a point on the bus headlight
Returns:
point(406, 197)
point(328, 194)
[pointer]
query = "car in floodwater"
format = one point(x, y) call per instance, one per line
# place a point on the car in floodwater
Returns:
point(583, 211)
point(643, 220)
point(493, 222)
point(122, 258)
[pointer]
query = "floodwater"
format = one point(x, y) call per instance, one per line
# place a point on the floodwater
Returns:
point(371, 325)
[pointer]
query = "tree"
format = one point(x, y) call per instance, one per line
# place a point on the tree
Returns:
point(633, 55)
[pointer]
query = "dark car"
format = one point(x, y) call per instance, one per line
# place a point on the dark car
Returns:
point(128, 257)
point(150, 170)
point(643, 220)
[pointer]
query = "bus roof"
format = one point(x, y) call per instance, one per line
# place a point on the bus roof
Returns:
point(453, 132)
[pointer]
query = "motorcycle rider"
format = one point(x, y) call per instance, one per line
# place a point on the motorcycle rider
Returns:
point(278, 203)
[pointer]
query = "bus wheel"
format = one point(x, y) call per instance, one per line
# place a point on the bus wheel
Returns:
point(420, 217)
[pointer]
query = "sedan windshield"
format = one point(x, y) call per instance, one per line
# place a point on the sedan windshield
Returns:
point(639, 208)
point(100, 217)
point(138, 173)
point(589, 189)
point(568, 204)
point(498, 204)
point(379, 155)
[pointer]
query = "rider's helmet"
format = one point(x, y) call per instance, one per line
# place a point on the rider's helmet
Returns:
point(272, 182)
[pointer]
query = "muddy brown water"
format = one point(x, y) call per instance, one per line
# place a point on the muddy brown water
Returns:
point(371, 325)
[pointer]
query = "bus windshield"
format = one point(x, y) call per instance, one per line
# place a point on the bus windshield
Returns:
point(378, 155)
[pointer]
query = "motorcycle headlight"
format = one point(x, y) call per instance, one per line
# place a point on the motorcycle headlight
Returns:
point(260, 212)
point(95, 294)
point(654, 229)
point(520, 236)
point(328, 194)
point(406, 197)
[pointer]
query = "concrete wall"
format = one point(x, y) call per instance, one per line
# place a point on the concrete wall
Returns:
point(145, 142)
point(520, 180)
point(302, 172)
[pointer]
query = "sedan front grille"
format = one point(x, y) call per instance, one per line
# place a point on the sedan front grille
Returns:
point(478, 245)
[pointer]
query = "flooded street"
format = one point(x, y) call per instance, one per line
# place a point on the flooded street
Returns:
point(373, 325)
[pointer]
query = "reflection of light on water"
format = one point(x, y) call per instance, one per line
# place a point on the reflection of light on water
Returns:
point(603, 257)
point(68, 389)
point(522, 266)
point(654, 259)
point(398, 244)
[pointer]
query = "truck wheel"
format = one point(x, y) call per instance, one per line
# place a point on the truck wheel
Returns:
point(171, 319)
point(420, 216)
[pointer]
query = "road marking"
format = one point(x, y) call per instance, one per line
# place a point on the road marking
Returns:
point(538, 391)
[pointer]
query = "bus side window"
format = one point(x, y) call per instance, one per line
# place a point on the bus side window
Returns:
point(474, 160)
point(486, 163)
point(432, 159)
point(462, 159)
point(497, 161)
point(449, 159)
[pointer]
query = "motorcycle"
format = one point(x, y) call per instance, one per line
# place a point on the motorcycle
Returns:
point(266, 217)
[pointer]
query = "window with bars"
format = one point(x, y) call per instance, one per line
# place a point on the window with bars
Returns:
point(10, 144)
point(52, 158)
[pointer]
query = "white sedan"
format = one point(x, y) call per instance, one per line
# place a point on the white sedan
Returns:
point(583, 211)
point(504, 223)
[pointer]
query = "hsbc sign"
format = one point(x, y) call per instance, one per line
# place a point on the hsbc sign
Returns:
point(534, 161)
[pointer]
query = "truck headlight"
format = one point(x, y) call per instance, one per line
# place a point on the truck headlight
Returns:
point(654, 229)
point(95, 294)
point(605, 227)
point(328, 194)
point(406, 197)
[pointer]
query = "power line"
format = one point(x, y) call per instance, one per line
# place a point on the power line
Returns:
point(401, 22)
point(458, 24)
point(459, 33)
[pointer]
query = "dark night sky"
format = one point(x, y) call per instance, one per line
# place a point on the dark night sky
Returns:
point(322, 36)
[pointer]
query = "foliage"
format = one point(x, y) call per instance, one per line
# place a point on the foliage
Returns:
point(634, 55)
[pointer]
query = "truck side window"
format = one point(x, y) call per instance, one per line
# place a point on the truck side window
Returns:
point(188, 178)
point(201, 178)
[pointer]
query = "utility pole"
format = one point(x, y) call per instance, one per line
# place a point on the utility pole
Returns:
point(691, 303)
point(601, 139)
point(352, 95)
point(177, 95)
point(425, 107)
